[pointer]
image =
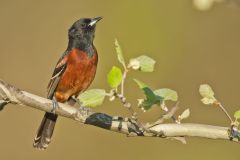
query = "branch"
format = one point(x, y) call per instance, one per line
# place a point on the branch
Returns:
point(13, 95)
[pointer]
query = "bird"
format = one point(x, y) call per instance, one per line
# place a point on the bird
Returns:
point(73, 74)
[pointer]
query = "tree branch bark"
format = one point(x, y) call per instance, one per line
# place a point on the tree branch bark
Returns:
point(13, 95)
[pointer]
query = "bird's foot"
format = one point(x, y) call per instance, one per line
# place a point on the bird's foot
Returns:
point(79, 103)
point(84, 110)
point(75, 100)
point(54, 105)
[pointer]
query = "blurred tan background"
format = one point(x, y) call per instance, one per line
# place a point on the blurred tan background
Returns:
point(191, 48)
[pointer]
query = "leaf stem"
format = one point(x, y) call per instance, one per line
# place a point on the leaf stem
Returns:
point(167, 115)
point(123, 80)
point(225, 111)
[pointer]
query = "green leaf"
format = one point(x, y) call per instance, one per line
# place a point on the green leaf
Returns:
point(167, 94)
point(114, 77)
point(146, 105)
point(120, 53)
point(237, 114)
point(207, 93)
point(147, 91)
point(140, 84)
point(151, 98)
point(185, 114)
point(134, 64)
point(142, 63)
point(208, 100)
point(92, 98)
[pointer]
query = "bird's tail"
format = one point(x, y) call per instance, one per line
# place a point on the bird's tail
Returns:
point(45, 131)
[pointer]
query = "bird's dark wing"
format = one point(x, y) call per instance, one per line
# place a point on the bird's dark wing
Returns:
point(57, 73)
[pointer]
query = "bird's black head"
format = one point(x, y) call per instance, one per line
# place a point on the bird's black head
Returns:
point(81, 33)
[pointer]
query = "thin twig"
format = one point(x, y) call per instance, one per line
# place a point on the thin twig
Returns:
point(123, 99)
point(123, 80)
point(167, 115)
point(225, 111)
point(126, 104)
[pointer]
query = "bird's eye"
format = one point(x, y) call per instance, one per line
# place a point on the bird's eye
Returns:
point(84, 25)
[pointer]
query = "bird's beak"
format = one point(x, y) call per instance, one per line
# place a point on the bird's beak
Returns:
point(94, 21)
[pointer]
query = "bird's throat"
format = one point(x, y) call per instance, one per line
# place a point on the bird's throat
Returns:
point(84, 45)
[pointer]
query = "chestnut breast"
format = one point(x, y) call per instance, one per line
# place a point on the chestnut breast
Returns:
point(78, 75)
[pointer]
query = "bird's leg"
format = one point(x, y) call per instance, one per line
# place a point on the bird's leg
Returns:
point(74, 99)
point(82, 108)
point(54, 105)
